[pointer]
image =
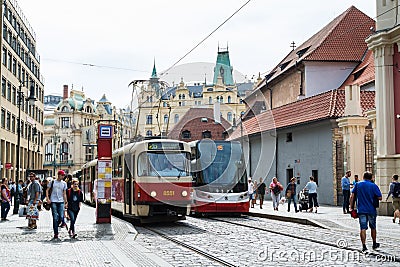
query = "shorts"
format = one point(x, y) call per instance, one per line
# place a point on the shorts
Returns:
point(396, 203)
point(364, 218)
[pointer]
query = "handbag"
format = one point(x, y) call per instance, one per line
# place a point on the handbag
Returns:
point(289, 194)
point(22, 211)
point(353, 214)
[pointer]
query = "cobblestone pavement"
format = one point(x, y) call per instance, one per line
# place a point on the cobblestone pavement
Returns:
point(96, 244)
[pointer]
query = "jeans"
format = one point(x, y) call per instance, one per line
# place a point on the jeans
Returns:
point(346, 200)
point(72, 218)
point(275, 200)
point(312, 198)
point(57, 209)
point(5, 208)
point(293, 197)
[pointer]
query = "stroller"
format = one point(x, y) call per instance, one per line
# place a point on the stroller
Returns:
point(303, 200)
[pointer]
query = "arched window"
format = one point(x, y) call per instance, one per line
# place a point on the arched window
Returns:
point(229, 99)
point(210, 100)
point(186, 134)
point(64, 152)
point(221, 99)
point(64, 109)
point(176, 118)
point(88, 109)
point(48, 150)
point(183, 96)
point(229, 116)
point(206, 134)
point(180, 96)
point(149, 133)
point(165, 119)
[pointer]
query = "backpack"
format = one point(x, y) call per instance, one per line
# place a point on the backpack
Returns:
point(276, 190)
point(396, 190)
point(12, 191)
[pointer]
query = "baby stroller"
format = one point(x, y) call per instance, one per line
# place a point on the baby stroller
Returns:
point(303, 200)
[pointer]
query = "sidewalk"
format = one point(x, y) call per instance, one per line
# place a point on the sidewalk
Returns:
point(96, 244)
point(337, 223)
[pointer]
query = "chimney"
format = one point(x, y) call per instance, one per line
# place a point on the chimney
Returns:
point(65, 92)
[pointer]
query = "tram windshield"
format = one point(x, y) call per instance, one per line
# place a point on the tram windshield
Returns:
point(161, 164)
point(220, 164)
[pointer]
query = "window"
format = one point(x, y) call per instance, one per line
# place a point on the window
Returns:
point(149, 133)
point(48, 150)
point(206, 134)
point(176, 118)
point(186, 134)
point(4, 56)
point(9, 92)
point(9, 61)
point(229, 116)
point(229, 99)
point(289, 137)
point(149, 119)
point(64, 122)
point(64, 109)
point(8, 121)
point(165, 119)
point(13, 124)
point(314, 173)
point(3, 118)
point(3, 87)
point(14, 95)
point(89, 153)
point(164, 104)
point(64, 151)
point(210, 100)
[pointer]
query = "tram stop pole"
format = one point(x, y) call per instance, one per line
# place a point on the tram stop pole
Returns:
point(103, 181)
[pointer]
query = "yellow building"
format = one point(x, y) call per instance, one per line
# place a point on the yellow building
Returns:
point(21, 81)
point(161, 107)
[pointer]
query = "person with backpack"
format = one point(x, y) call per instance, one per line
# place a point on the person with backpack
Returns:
point(33, 193)
point(394, 191)
point(276, 188)
point(57, 197)
point(75, 198)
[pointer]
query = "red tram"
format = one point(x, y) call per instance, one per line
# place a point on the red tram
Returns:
point(151, 180)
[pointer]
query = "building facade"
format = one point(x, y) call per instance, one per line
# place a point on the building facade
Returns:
point(21, 79)
point(161, 107)
point(70, 131)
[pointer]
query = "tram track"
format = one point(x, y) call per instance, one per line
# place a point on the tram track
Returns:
point(191, 248)
point(338, 244)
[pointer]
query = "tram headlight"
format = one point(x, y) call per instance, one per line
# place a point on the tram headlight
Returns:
point(184, 193)
point(153, 193)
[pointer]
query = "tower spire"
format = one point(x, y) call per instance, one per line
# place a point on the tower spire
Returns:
point(154, 73)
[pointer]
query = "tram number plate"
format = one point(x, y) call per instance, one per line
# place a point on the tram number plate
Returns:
point(169, 193)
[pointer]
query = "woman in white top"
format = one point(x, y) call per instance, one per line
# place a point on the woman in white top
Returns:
point(312, 194)
point(251, 192)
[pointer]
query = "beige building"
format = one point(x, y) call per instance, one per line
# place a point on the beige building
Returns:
point(20, 79)
point(70, 131)
point(161, 107)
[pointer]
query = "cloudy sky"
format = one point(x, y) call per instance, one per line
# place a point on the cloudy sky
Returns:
point(101, 45)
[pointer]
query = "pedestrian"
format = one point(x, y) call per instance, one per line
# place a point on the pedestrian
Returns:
point(58, 200)
point(255, 195)
point(21, 190)
point(33, 197)
point(276, 188)
point(68, 180)
point(261, 191)
point(5, 199)
point(394, 191)
point(251, 192)
point(311, 186)
point(44, 187)
point(75, 198)
point(366, 194)
point(290, 193)
point(346, 191)
point(12, 191)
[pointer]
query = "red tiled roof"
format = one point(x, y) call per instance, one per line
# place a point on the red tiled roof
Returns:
point(328, 105)
point(364, 73)
point(343, 39)
point(191, 120)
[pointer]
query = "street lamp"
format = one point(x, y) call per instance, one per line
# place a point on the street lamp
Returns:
point(31, 100)
point(33, 135)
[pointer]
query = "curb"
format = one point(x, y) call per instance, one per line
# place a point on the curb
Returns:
point(288, 219)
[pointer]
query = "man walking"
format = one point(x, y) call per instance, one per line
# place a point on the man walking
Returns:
point(57, 199)
point(261, 191)
point(346, 191)
point(34, 191)
point(394, 191)
point(366, 193)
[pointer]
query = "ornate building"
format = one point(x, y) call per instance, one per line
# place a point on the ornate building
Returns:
point(70, 132)
point(161, 107)
point(21, 80)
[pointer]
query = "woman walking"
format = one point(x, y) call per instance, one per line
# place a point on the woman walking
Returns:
point(311, 186)
point(5, 199)
point(275, 187)
point(290, 193)
point(75, 198)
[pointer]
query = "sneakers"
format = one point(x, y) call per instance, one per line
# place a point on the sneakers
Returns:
point(376, 245)
point(364, 248)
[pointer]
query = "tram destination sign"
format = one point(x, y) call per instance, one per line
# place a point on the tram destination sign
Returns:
point(165, 146)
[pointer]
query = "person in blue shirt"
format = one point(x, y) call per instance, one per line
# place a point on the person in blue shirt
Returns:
point(346, 191)
point(311, 186)
point(367, 195)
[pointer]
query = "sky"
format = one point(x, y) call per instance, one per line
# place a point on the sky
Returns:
point(101, 46)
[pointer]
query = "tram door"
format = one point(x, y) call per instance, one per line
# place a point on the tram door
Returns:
point(128, 183)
